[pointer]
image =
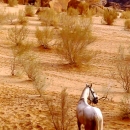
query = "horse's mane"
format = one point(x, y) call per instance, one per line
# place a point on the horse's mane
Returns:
point(83, 91)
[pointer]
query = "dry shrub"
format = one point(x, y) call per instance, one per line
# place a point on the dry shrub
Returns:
point(40, 83)
point(127, 24)
point(72, 12)
point(49, 17)
point(22, 18)
point(109, 16)
point(60, 113)
point(125, 107)
point(92, 1)
point(17, 52)
point(44, 36)
point(75, 36)
point(17, 35)
point(2, 15)
point(89, 13)
point(125, 15)
point(29, 10)
point(123, 71)
point(12, 3)
point(83, 8)
point(30, 64)
point(11, 18)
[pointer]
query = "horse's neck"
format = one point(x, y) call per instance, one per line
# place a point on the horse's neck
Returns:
point(85, 95)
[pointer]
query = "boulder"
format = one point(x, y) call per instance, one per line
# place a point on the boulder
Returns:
point(54, 4)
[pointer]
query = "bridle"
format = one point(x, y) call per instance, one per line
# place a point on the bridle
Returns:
point(95, 98)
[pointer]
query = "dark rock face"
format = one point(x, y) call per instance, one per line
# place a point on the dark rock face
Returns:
point(118, 1)
point(45, 3)
point(123, 3)
point(73, 3)
point(31, 2)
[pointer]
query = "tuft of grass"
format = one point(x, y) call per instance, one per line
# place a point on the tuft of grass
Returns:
point(12, 3)
point(109, 16)
point(127, 23)
point(44, 36)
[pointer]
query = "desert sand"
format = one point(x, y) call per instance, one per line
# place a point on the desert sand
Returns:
point(20, 106)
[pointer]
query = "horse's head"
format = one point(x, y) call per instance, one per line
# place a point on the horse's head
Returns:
point(92, 95)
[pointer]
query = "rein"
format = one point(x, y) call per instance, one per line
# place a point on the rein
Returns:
point(91, 93)
point(95, 98)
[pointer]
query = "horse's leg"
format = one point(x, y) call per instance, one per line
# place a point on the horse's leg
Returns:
point(100, 124)
point(79, 125)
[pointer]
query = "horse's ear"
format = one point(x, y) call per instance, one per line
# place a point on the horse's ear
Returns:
point(87, 85)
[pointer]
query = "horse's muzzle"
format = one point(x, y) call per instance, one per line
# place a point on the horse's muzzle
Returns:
point(95, 101)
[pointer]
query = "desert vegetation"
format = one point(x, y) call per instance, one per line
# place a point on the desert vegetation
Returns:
point(125, 107)
point(13, 3)
point(109, 16)
point(44, 36)
point(58, 50)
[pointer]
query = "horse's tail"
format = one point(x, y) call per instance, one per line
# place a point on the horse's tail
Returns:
point(98, 119)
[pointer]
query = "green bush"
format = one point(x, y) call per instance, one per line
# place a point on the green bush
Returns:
point(109, 16)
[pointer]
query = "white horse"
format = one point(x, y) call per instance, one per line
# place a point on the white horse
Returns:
point(90, 117)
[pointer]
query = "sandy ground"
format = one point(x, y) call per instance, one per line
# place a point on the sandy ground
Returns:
point(22, 109)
